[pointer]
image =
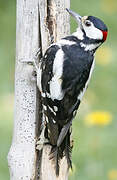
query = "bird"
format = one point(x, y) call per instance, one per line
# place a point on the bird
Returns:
point(63, 77)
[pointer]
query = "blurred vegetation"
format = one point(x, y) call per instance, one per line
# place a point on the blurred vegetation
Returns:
point(94, 129)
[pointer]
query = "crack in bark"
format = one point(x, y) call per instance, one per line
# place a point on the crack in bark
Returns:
point(51, 19)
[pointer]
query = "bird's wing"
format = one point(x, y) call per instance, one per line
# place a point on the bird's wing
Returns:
point(52, 67)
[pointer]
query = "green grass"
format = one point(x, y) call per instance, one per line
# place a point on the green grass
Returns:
point(95, 147)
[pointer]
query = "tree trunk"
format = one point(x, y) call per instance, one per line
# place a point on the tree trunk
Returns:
point(36, 21)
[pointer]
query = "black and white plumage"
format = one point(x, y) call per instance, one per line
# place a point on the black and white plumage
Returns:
point(63, 77)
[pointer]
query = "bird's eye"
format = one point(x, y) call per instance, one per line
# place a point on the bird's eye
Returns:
point(87, 23)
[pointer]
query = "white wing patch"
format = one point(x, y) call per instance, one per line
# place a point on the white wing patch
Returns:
point(55, 83)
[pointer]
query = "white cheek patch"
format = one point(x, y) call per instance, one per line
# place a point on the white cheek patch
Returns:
point(92, 32)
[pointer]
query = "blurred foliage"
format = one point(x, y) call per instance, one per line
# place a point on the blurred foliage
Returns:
point(95, 146)
point(7, 45)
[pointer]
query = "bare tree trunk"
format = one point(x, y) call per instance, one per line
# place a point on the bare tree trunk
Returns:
point(57, 22)
point(36, 21)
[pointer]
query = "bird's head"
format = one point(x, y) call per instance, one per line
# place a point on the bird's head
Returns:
point(91, 26)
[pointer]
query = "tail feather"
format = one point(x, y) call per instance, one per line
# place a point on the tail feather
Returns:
point(57, 153)
point(55, 156)
point(68, 152)
point(63, 133)
point(59, 138)
point(57, 161)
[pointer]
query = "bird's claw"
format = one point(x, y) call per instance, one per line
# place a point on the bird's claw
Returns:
point(40, 143)
point(32, 61)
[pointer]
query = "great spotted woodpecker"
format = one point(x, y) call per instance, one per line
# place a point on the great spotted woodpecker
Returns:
point(63, 76)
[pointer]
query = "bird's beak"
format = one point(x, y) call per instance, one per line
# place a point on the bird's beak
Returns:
point(75, 15)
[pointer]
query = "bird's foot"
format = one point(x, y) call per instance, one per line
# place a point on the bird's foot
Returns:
point(42, 140)
point(32, 61)
point(40, 143)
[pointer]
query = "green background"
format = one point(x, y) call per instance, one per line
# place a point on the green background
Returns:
point(95, 147)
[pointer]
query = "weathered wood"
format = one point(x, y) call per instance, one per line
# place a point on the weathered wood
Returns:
point(54, 21)
point(22, 155)
point(48, 167)
point(36, 21)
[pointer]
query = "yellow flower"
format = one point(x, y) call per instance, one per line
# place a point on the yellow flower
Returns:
point(100, 118)
point(112, 174)
point(104, 56)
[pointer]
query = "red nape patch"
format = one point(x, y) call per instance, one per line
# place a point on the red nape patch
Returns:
point(104, 35)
